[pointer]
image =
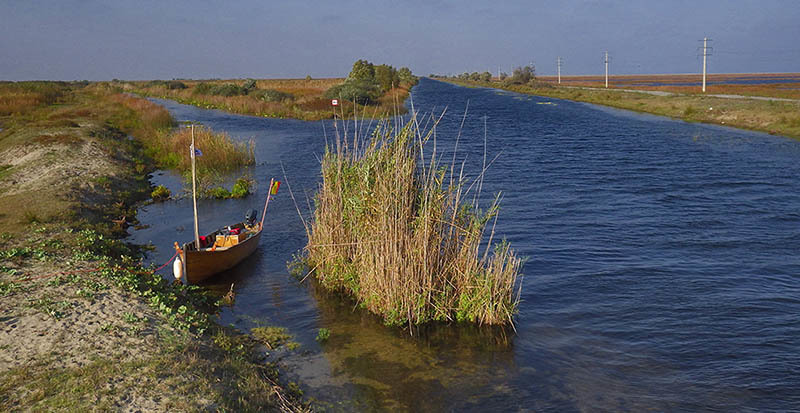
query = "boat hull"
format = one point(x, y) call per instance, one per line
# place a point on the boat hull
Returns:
point(200, 265)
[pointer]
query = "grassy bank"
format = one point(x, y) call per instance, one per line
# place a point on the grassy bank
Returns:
point(404, 236)
point(773, 117)
point(303, 99)
point(84, 325)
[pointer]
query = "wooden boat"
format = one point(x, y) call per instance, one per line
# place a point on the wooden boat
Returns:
point(222, 249)
point(216, 256)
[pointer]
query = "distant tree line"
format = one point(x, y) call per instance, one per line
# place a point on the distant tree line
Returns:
point(520, 76)
point(367, 82)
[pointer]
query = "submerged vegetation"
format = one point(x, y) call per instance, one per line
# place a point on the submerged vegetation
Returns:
point(405, 236)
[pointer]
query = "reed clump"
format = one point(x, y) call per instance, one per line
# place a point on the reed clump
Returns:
point(153, 126)
point(405, 237)
point(220, 153)
point(22, 97)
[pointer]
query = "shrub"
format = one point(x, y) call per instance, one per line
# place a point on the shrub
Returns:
point(228, 89)
point(219, 193)
point(249, 85)
point(175, 84)
point(241, 188)
point(272, 95)
point(360, 91)
point(161, 193)
point(225, 89)
point(202, 88)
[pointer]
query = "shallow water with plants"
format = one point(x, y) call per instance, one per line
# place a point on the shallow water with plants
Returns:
point(663, 270)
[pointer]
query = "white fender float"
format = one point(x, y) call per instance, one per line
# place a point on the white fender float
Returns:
point(177, 268)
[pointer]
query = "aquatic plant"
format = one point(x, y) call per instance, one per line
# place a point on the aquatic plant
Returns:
point(219, 193)
point(398, 231)
point(161, 193)
point(323, 334)
point(241, 188)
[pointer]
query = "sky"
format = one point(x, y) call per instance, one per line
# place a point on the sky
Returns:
point(166, 39)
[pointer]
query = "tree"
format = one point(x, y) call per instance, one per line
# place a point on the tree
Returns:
point(486, 76)
point(386, 76)
point(406, 76)
point(522, 75)
point(362, 70)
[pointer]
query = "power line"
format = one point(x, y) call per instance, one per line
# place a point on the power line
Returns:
point(705, 58)
point(559, 61)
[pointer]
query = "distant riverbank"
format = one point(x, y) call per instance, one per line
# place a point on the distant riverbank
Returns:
point(304, 99)
point(777, 117)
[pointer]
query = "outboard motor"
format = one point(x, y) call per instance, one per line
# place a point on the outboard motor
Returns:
point(250, 217)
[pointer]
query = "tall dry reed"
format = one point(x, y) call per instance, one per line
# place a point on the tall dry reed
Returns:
point(219, 151)
point(405, 237)
point(171, 146)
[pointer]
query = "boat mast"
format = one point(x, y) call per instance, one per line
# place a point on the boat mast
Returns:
point(194, 196)
point(269, 192)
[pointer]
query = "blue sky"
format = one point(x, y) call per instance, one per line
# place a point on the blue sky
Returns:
point(101, 40)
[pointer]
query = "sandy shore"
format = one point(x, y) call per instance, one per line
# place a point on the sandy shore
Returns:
point(82, 326)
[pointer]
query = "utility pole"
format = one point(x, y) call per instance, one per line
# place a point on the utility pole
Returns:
point(559, 61)
point(606, 62)
point(705, 57)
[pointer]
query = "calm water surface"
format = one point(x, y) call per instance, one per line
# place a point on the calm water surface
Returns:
point(663, 270)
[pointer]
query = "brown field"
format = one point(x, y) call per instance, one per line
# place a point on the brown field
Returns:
point(676, 83)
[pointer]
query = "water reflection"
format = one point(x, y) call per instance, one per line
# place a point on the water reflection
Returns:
point(429, 370)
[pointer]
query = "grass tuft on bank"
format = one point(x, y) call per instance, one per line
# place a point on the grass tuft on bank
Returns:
point(405, 236)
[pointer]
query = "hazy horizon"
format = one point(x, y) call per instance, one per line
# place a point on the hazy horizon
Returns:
point(95, 40)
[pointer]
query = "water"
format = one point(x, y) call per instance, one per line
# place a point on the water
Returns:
point(663, 269)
